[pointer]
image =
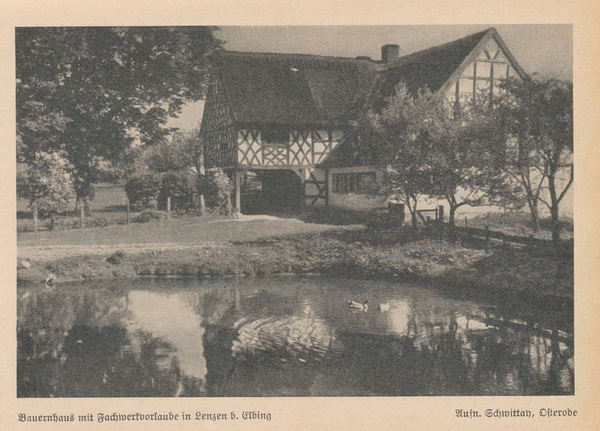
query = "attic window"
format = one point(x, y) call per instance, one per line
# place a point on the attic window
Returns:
point(275, 137)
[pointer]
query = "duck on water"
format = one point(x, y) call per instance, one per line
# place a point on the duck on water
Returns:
point(358, 306)
point(365, 306)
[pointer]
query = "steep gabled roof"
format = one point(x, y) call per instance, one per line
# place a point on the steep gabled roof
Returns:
point(435, 68)
point(438, 67)
point(295, 89)
point(430, 68)
point(311, 90)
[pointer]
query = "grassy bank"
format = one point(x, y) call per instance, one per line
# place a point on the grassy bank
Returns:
point(357, 253)
point(319, 242)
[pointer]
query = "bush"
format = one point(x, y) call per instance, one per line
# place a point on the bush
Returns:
point(143, 191)
point(181, 187)
point(150, 191)
point(215, 187)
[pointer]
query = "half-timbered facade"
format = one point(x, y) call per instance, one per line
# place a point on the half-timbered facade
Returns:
point(287, 118)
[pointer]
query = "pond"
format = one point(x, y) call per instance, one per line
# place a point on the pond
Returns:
point(283, 336)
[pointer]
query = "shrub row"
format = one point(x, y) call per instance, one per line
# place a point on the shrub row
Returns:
point(151, 190)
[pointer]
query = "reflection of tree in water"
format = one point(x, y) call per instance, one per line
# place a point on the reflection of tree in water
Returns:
point(43, 321)
point(508, 356)
point(88, 353)
point(518, 357)
point(154, 372)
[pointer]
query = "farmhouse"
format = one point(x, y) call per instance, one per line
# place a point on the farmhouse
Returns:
point(286, 119)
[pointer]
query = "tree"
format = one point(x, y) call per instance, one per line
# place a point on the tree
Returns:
point(50, 188)
point(464, 164)
point(393, 131)
point(183, 152)
point(428, 150)
point(91, 92)
point(534, 117)
point(456, 161)
point(191, 144)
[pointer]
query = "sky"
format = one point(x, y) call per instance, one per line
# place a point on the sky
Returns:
point(540, 48)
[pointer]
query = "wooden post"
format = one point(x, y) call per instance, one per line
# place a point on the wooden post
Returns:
point(441, 213)
point(82, 215)
point(127, 210)
point(35, 218)
point(168, 207)
point(202, 205)
point(229, 209)
point(487, 237)
point(327, 199)
point(238, 200)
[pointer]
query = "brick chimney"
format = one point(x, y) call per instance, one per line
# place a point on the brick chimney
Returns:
point(390, 53)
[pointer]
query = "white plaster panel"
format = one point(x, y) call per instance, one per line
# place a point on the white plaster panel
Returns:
point(469, 71)
point(257, 151)
point(465, 85)
point(319, 147)
point(499, 71)
point(484, 69)
point(492, 47)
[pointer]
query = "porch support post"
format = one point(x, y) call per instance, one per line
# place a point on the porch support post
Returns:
point(327, 187)
point(304, 177)
point(238, 180)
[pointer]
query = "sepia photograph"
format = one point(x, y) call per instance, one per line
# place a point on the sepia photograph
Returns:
point(299, 215)
point(315, 211)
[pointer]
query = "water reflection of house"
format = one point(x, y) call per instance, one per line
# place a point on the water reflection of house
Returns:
point(286, 119)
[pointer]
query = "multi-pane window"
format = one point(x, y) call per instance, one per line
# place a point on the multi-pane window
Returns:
point(355, 182)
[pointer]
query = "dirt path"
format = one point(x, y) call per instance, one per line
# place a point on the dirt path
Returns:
point(182, 234)
point(46, 253)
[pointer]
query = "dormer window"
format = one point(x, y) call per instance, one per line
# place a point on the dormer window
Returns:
point(275, 138)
